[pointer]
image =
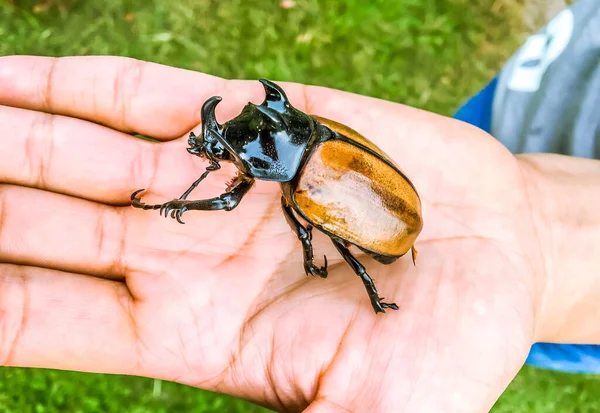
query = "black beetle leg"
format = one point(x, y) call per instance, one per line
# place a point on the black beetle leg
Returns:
point(194, 185)
point(309, 228)
point(137, 202)
point(213, 167)
point(227, 201)
point(305, 236)
point(360, 270)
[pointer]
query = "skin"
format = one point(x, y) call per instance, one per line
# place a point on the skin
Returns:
point(222, 303)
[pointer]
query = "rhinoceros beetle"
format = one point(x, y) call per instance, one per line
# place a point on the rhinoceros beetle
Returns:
point(331, 177)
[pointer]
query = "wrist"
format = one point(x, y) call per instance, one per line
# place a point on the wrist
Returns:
point(564, 194)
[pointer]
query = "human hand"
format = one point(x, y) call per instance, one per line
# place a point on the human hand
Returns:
point(89, 283)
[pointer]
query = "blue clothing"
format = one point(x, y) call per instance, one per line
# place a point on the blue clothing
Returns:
point(547, 99)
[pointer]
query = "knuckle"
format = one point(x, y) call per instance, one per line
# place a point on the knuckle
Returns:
point(47, 90)
point(110, 235)
point(39, 145)
point(14, 304)
point(125, 88)
point(145, 165)
point(3, 214)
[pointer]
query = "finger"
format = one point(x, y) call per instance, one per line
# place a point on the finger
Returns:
point(53, 319)
point(87, 160)
point(123, 93)
point(157, 100)
point(164, 103)
point(44, 229)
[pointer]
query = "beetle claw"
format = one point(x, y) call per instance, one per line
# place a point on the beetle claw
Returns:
point(379, 305)
point(179, 214)
point(383, 305)
point(133, 195)
point(176, 208)
point(312, 269)
point(138, 203)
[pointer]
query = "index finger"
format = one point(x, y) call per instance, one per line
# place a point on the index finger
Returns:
point(164, 103)
point(123, 93)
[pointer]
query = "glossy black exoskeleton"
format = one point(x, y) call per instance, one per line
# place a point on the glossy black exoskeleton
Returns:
point(276, 142)
point(265, 141)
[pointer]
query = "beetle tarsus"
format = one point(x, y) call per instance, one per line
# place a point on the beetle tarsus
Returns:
point(360, 270)
point(312, 269)
point(134, 195)
point(137, 201)
point(305, 237)
point(386, 305)
point(226, 201)
point(177, 207)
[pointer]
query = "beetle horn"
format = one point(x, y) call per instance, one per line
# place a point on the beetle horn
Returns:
point(209, 120)
point(271, 114)
point(210, 126)
point(274, 93)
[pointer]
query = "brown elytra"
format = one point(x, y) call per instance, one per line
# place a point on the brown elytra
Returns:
point(357, 196)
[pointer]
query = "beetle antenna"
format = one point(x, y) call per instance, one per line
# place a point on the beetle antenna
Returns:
point(274, 93)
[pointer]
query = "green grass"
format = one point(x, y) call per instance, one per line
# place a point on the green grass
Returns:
point(542, 391)
point(431, 54)
point(425, 53)
point(51, 391)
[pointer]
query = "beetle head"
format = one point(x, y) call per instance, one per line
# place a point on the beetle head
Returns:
point(265, 141)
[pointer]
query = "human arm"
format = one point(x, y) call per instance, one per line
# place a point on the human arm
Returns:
point(222, 303)
point(565, 197)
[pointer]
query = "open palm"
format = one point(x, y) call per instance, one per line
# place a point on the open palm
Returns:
point(91, 284)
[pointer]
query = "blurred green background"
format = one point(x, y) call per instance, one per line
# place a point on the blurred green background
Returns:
point(431, 54)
